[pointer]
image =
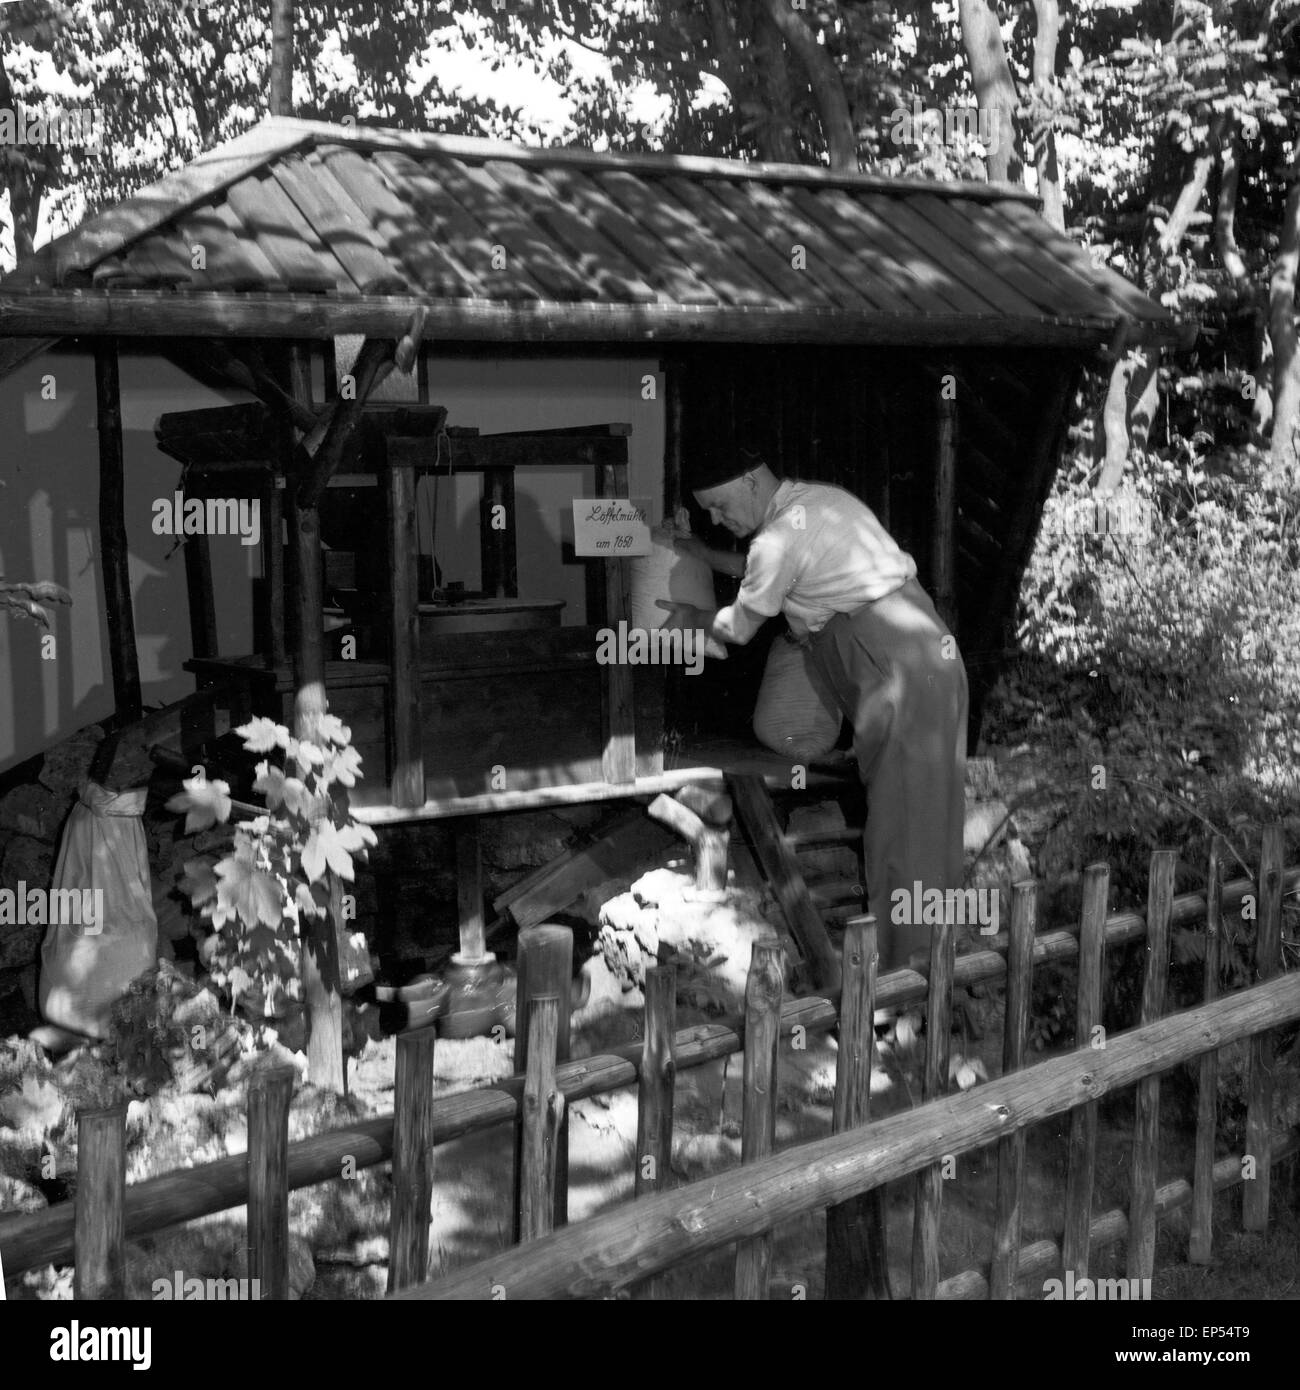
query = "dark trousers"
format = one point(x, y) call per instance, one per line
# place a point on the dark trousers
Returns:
point(903, 688)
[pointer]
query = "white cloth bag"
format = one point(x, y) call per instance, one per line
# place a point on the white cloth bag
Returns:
point(666, 574)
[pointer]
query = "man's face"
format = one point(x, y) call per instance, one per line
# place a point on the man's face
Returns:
point(732, 505)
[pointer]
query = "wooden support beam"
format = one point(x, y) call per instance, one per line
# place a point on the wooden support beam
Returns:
point(269, 1097)
point(497, 541)
point(99, 1255)
point(618, 762)
point(273, 571)
point(114, 550)
point(414, 1138)
point(198, 586)
point(406, 727)
point(673, 370)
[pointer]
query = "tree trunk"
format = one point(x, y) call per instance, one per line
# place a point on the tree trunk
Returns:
point(1049, 176)
point(1225, 207)
point(995, 90)
point(777, 122)
point(1282, 332)
point(280, 100)
point(1127, 412)
point(25, 185)
point(823, 79)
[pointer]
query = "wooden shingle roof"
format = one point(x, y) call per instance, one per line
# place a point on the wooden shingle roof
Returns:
point(307, 230)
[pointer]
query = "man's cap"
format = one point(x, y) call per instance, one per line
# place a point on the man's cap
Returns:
point(724, 464)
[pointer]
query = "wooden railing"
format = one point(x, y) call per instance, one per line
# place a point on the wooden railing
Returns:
point(663, 1226)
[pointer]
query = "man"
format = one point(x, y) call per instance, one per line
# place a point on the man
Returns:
point(871, 637)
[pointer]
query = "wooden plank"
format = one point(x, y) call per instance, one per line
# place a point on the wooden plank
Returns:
point(114, 547)
point(1259, 1098)
point(544, 967)
point(269, 1096)
point(406, 757)
point(934, 1084)
point(288, 241)
point(763, 241)
point(857, 1252)
point(603, 1255)
point(541, 1120)
point(413, 1143)
point(340, 225)
point(878, 285)
point(656, 1083)
point(1011, 1149)
point(763, 988)
point(1201, 1241)
point(757, 817)
point(512, 319)
point(657, 263)
point(1082, 1168)
point(1146, 1124)
point(631, 840)
point(469, 890)
point(99, 1259)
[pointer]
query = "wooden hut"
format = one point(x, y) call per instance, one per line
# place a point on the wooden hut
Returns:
point(916, 342)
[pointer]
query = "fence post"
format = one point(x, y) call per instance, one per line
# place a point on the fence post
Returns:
point(541, 1116)
point(545, 967)
point(269, 1095)
point(763, 989)
point(851, 1225)
point(929, 1181)
point(99, 1233)
point(413, 1141)
point(655, 1087)
point(1011, 1149)
point(1207, 1090)
point(1259, 1103)
point(1146, 1124)
point(1076, 1241)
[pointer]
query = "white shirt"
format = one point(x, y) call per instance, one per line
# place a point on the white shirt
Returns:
point(819, 551)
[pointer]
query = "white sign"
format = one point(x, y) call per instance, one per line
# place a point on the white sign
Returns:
point(611, 527)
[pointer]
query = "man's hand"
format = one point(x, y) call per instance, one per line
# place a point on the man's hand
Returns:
point(693, 546)
point(684, 615)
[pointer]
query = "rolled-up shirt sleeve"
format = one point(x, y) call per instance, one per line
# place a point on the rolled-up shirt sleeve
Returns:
point(769, 574)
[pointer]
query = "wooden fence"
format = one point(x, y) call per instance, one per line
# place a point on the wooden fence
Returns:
point(666, 1226)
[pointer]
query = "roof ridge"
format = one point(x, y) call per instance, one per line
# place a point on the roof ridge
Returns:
point(479, 147)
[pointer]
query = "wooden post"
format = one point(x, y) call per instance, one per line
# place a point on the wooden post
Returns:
point(763, 990)
point(469, 892)
point(855, 1245)
point(618, 763)
point(406, 729)
point(273, 568)
point(943, 532)
point(269, 1095)
point(1083, 1118)
point(1259, 1101)
point(545, 968)
point(541, 1119)
point(672, 369)
point(99, 1263)
point(320, 958)
point(280, 93)
point(413, 1141)
point(656, 1083)
point(497, 542)
point(114, 550)
point(1011, 1149)
point(1146, 1125)
point(929, 1181)
point(1207, 1091)
point(198, 588)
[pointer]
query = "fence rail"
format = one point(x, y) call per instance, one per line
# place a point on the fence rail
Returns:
point(663, 1227)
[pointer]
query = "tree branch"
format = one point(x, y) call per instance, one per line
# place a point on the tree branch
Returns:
point(823, 79)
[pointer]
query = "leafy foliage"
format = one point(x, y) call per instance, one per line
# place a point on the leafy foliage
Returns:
point(275, 878)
